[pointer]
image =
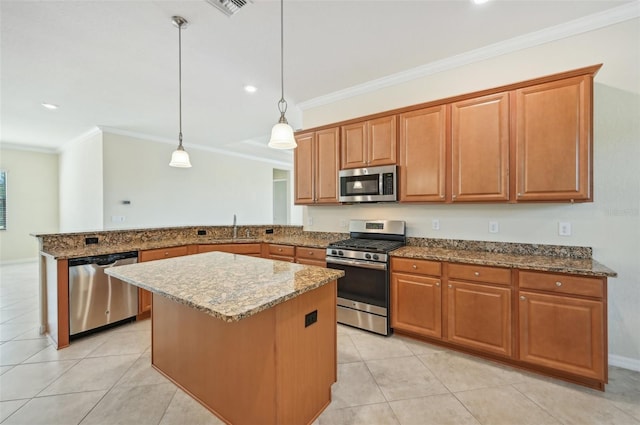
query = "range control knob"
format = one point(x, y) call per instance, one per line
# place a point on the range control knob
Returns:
point(367, 256)
point(340, 253)
point(334, 252)
point(376, 257)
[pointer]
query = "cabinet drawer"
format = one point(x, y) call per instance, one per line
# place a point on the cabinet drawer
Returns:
point(234, 248)
point(318, 254)
point(282, 250)
point(475, 273)
point(561, 283)
point(159, 254)
point(411, 265)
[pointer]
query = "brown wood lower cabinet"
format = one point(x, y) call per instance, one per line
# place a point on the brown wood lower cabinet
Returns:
point(311, 256)
point(479, 317)
point(144, 296)
point(562, 323)
point(251, 249)
point(551, 323)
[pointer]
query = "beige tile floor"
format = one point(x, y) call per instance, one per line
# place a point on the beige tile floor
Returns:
point(107, 379)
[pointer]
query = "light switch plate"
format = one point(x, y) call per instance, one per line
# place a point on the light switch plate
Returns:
point(494, 227)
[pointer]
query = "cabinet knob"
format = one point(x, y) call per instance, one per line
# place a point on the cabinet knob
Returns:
point(414, 266)
point(166, 254)
point(454, 196)
point(437, 283)
point(558, 284)
point(522, 298)
point(279, 249)
point(477, 273)
point(310, 252)
point(519, 194)
point(449, 286)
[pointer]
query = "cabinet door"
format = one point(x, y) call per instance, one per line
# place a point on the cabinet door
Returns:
point(311, 256)
point(553, 141)
point(303, 160)
point(480, 149)
point(382, 146)
point(563, 333)
point(479, 317)
point(162, 253)
point(354, 146)
point(416, 304)
point(327, 165)
point(423, 138)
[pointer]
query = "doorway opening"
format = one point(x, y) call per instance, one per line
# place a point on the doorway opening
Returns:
point(281, 196)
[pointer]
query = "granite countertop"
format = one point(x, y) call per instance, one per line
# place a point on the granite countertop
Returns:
point(227, 286)
point(580, 266)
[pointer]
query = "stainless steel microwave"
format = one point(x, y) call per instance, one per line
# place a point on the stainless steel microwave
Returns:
point(373, 184)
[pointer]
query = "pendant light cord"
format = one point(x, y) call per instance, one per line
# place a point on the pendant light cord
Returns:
point(282, 104)
point(180, 82)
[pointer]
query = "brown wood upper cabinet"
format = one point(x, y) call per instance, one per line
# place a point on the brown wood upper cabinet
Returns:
point(316, 165)
point(480, 149)
point(369, 143)
point(423, 153)
point(553, 141)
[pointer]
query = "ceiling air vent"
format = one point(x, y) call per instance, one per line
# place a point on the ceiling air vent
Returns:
point(228, 7)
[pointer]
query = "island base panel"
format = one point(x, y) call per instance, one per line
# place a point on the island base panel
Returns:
point(268, 368)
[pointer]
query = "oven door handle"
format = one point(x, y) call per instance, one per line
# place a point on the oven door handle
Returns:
point(357, 263)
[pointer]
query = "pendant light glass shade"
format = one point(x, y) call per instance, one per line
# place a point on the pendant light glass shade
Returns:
point(180, 157)
point(282, 133)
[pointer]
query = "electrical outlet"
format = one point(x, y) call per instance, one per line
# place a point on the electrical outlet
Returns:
point(435, 224)
point(494, 227)
point(309, 221)
point(564, 228)
point(117, 218)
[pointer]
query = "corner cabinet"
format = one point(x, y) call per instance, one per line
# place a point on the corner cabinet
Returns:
point(369, 143)
point(423, 155)
point(316, 165)
point(553, 157)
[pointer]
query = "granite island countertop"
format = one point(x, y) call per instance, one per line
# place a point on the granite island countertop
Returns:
point(230, 287)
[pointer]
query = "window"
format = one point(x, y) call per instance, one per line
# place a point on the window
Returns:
point(3, 200)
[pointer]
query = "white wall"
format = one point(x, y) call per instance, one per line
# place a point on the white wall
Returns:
point(32, 202)
point(611, 224)
point(210, 193)
point(80, 176)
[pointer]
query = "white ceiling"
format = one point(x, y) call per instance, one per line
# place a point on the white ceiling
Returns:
point(114, 63)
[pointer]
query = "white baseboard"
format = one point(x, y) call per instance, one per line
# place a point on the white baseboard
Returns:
point(624, 362)
point(19, 261)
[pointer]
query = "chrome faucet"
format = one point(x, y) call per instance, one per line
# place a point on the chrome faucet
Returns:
point(235, 228)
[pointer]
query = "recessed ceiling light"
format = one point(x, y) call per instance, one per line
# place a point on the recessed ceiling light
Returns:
point(479, 1)
point(49, 105)
point(250, 89)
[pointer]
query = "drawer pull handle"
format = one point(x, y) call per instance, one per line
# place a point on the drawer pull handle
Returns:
point(166, 254)
point(558, 284)
point(477, 273)
point(279, 249)
point(449, 286)
point(414, 266)
point(522, 298)
point(310, 252)
point(437, 283)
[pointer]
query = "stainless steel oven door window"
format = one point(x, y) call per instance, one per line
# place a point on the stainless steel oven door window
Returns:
point(363, 285)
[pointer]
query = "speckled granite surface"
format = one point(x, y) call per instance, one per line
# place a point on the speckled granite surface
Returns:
point(556, 258)
point(581, 266)
point(227, 286)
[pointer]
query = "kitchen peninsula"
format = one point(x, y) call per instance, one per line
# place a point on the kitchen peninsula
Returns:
point(254, 340)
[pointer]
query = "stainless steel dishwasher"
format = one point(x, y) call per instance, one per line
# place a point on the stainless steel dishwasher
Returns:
point(97, 299)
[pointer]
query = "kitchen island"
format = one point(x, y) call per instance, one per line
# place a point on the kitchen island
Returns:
point(253, 340)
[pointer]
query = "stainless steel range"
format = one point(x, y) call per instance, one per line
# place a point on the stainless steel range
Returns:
point(363, 293)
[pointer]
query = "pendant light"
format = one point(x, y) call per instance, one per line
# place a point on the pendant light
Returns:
point(282, 133)
point(180, 157)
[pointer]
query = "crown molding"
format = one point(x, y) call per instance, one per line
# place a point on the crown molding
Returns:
point(165, 140)
point(81, 138)
point(568, 29)
point(28, 148)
